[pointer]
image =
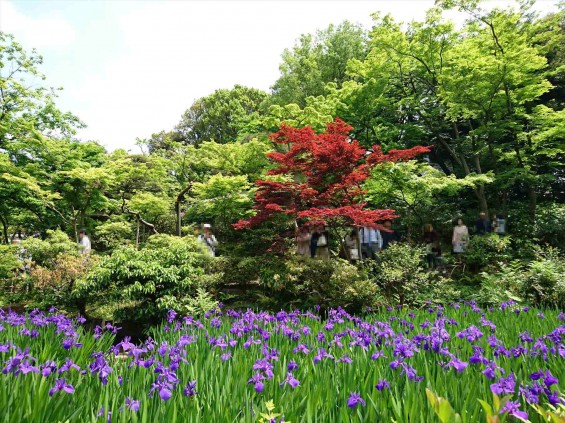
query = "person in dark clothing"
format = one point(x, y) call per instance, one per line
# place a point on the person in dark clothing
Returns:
point(319, 243)
point(483, 225)
point(390, 235)
point(433, 246)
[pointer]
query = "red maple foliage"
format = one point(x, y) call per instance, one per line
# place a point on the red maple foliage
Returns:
point(327, 171)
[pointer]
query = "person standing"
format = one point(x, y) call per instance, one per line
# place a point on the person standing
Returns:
point(319, 243)
point(500, 225)
point(84, 245)
point(351, 244)
point(390, 235)
point(303, 237)
point(460, 237)
point(483, 226)
point(431, 240)
point(371, 242)
point(208, 239)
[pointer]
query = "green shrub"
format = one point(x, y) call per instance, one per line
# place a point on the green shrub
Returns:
point(111, 235)
point(45, 252)
point(274, 282)
point(400, 274)
point(327, 283)
point(548, 228)
point(167, 273)
point(487, 250)
point(502, 285)
point(544, 279)
point(54, 285)
point(540, 282)
point(9, 262)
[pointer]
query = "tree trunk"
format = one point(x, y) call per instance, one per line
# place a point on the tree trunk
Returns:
point(480, 193)
point(137, 236)
point(532, 202)
point(180, 198)
point(5, 229)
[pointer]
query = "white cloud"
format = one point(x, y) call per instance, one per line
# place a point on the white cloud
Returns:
point(45, 32)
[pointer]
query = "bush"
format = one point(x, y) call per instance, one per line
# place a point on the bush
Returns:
point(402, 279)
point(167, 273)
point(544, 279)
point(9, 262)
point(487, 250)
point(111, 235)
point(540, 282)
point(549, 225)
point(327, 283)
point(498, 287)
point(277, 282)
point(45, 252)
point(53, 286)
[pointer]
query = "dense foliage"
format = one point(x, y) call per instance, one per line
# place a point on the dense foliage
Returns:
point(422, 122)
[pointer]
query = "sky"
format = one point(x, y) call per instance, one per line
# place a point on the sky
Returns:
point(130, 68)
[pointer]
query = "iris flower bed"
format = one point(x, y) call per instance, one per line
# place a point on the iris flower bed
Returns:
point(459, 363)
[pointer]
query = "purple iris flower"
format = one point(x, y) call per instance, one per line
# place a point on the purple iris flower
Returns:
point(382, 384)
point(394, 364)
point(164, 388)
point(68, 366)
point(190, 389)
point(292, 366)
point(531, 393)
point(554, 398)
point(48, 368)
point(547, 377)
point(291, 380)
point(458, 364)
point(61, 385)
point(301, 348)
point(504, 385)
point(26, 368)
point(345, 359)
point(257, 381)
point(525, 337)
point(355, 399)
point(132, 404)
point(226, 356)
point(513, 408)
point(70, 342)
point(377, 355)
point(171, 315)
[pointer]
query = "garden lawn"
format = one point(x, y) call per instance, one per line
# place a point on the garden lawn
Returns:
point(228, 366)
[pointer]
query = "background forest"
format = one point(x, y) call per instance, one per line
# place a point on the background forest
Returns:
point(488, 99)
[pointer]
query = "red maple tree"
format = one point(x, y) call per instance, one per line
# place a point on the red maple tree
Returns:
point(325, 176)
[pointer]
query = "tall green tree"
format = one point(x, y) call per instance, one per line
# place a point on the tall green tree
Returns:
point(219, 116)
point(317, 59)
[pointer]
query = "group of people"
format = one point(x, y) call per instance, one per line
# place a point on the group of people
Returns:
point(366, 242)
point(460, 237)
point(359, 243)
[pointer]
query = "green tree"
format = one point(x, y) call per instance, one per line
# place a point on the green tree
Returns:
point(222, 200)
point(316, 60)
point(219, 116)
point(414, 190)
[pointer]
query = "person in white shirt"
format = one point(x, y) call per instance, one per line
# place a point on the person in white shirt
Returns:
point(84, 243)
point(371, 242)
point(207, 238)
